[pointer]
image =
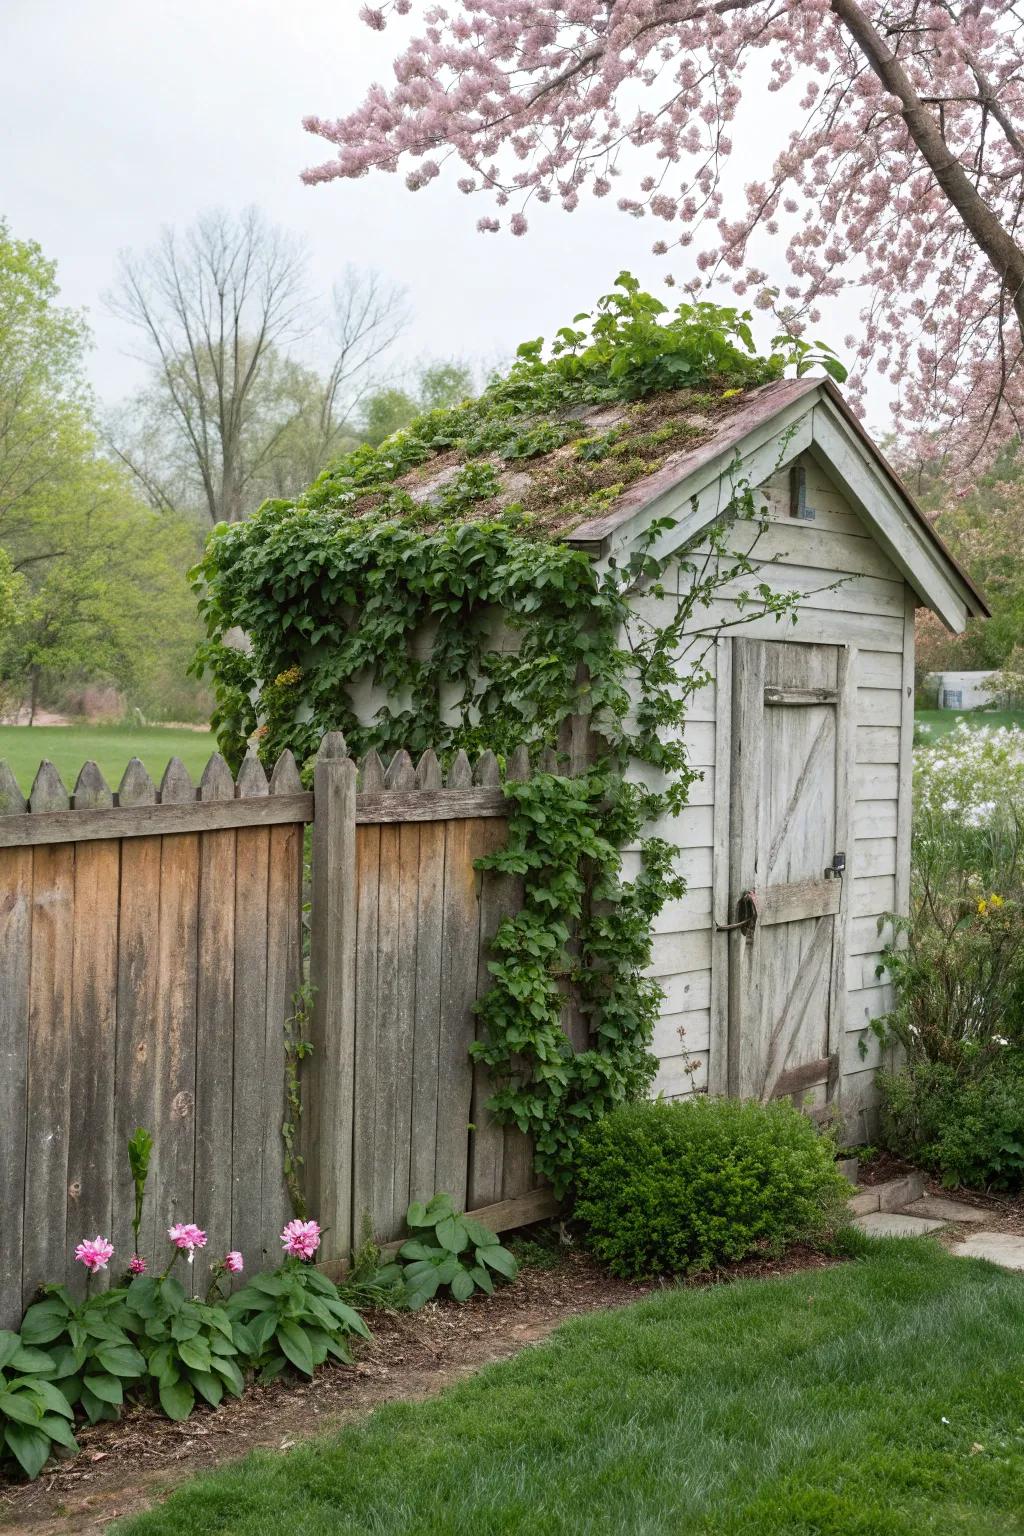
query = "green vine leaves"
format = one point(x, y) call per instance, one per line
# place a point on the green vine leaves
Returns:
point(480, 631)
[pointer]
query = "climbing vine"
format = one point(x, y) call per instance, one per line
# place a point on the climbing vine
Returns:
point(380, 603)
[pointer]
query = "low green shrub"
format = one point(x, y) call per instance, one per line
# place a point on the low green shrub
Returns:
point(966, 1125)
point(35, 1416)
point(89, 1342)
point(293, 1316)
point(447, 1249)
point(678, 1188)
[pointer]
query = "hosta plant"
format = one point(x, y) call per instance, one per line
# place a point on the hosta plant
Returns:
point(449, 1249)
point(294, 1316)
point(89, 1345)
point(190, 1347)
point(35, 1415)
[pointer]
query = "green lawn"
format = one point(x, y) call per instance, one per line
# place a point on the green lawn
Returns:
point(940, 721)
point(881, 1398)
point(69, 746)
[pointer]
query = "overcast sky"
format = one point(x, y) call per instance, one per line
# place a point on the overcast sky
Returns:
point(119, 117)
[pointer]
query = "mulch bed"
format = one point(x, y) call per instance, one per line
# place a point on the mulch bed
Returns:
point(127, 1466)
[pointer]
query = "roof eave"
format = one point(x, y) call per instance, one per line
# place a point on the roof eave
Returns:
point(781, 421)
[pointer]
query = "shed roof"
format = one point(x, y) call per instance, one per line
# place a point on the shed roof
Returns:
point(596, 475)
point(769, 427)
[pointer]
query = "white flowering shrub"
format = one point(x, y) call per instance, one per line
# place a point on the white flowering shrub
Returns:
point(970, 779)
point(958, 964)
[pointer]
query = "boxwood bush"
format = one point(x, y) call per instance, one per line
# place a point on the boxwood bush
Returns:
point(679, 1188)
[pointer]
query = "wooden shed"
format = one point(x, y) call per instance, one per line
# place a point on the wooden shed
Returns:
point(800, 829)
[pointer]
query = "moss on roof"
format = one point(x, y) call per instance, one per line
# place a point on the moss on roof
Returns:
point(558, 440)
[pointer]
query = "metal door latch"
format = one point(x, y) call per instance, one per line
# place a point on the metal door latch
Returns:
point(746, 916)
point(834, 871)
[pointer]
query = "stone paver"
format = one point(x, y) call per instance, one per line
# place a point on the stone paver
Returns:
point(945, 1210)
point(893, 1224)
point(1003, 1248)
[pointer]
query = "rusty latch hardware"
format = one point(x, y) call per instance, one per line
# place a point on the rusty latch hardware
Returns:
point(836, 869)
point(746, 916)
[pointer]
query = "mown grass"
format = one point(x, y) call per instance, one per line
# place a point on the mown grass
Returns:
point(883, 1397)
point(111, 746)
point(939, 721)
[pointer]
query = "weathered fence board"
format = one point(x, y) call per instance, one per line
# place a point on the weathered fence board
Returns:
point(151, 953)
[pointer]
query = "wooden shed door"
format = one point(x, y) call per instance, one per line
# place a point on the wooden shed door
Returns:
point(788, 839)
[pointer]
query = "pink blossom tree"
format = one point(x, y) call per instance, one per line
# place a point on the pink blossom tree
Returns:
point(904, 176)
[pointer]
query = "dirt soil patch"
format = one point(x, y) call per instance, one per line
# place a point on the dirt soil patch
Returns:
point(125, 1467)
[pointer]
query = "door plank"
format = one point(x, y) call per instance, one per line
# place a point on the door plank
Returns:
point(800, 899)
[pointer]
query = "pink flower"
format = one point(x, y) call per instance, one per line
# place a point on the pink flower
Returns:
point(95, 1253)
point(233, 1262)
point(301, 1239)
point(136, 1264)
point(188, 1236)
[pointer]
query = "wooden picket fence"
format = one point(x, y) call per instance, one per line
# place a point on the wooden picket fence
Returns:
point(151, 949)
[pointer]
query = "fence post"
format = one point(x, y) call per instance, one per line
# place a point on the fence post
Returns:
point(329, 1108)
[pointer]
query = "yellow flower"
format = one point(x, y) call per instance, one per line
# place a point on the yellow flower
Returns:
point(995, 901)
point(982, 906)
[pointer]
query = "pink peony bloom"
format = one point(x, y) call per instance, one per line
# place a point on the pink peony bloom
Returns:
point(136, 1264)
point(188, 1236)
point(233, 1262)
point(301, 1239)
point(95, 1253)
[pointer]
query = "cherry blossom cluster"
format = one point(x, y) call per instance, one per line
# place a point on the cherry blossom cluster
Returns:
point(902, 180)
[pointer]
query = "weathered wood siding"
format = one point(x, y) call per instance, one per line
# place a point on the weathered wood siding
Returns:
point(871, 612)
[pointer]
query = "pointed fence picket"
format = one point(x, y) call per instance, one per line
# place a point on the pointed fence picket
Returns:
point(151, 949)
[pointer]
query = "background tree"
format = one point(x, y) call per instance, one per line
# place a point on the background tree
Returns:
point(904, 176)
point(434, 386)
point(92, 583)
point(985, 529)
point(228, 415)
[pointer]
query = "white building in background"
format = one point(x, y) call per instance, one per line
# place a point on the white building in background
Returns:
point(965, 690)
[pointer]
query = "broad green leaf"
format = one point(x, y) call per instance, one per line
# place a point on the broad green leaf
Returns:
point(419, 1290)
point(263, 1328)
point(20, 1407)
point(41, 1323)
point(479, 1235)
point(295, 1345)
point(415, 1249)
point(30, 1445)
point(173, 1293)
point(178, 1400)
point(106, 1388)
point(271, 1284)
point(67, 1360)
point(447, 1270)
point(52, 1398)
point(499, 1259)
point(482, 1279)
point(229, 1371)
point(350, 1318)
point(452, 1234)
point(439, 1207)
point(32, 1362)
point(121, 1360)
point(94, 1408)
point(10, 1344)
point(196, 1353)
point(462, 1285)
point(416, 1215)
point(143, 1296)
point(208, 1386)
point(58, 1429)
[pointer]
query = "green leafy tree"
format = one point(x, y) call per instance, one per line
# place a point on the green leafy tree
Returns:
point(92, 583)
